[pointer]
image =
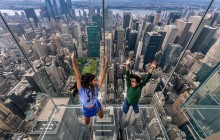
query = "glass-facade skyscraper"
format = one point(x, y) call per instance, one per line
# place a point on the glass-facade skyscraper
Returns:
point(92, 32)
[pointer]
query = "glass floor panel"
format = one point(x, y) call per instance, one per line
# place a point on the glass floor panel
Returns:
point(66, 123)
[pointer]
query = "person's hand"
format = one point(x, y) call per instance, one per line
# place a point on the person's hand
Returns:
point(128, 61)
point(154, 64)
point(73, 55)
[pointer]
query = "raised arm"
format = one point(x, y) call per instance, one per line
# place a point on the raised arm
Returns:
point(128, 80)
point(152, 67)
point(76, 70)
point(147, 78)
point(103, 73)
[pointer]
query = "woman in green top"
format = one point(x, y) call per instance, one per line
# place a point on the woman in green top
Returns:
point(134, 86)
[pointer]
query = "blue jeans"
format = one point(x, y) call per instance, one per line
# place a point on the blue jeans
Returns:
point(126, 106)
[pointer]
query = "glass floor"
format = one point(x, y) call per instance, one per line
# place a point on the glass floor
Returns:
point(65, 123)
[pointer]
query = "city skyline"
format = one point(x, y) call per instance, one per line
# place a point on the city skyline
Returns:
point(36, 71)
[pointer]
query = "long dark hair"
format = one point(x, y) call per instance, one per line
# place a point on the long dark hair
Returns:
point(86, 79)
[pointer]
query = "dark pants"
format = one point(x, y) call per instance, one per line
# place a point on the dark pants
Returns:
point(126, 106)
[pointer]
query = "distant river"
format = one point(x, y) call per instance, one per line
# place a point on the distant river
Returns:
point(134, 11)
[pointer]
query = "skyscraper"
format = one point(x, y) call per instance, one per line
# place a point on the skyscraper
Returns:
point(97, 19)
point(195, 22)
point(108, 46)
point(40, 47)
point(63, 7)
point(120, 39)
point(126, 20)
point(151, 18)
point(69, 7)
point(30, 13)
point(17, 28)
point(201, 44)
point(55, 8)
point(183, 30)
point(55, 76)
point(171, 55)
point(8, 121)
point(204, 72)
point(49, 8)
point(213, 55)
point(40, 81)
point(127, 34)
point(163, 35)
point(76, 30)
point(150, 46)
point(157, 16)
point(139, 49)
point(172, 17)
point(140, 32)
point(170, 35)
point(132, 40)
point(93, 40)
point(215, 16)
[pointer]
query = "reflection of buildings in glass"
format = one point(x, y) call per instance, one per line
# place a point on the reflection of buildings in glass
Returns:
point(49, 8)
point(63, 7)
point(30, 13)
point(207, 97)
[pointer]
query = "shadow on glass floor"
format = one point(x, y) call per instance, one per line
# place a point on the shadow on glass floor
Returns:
point(64, 123)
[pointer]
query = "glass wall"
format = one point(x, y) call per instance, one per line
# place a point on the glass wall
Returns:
point(203, 106)
point(37, 39)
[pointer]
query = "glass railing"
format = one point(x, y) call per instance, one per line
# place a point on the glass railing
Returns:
point(36, 71)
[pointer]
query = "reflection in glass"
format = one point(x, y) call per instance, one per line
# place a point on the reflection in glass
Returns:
point(203, 106)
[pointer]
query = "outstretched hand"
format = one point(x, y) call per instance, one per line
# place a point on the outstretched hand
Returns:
point(128, 61)
point(154, 64)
